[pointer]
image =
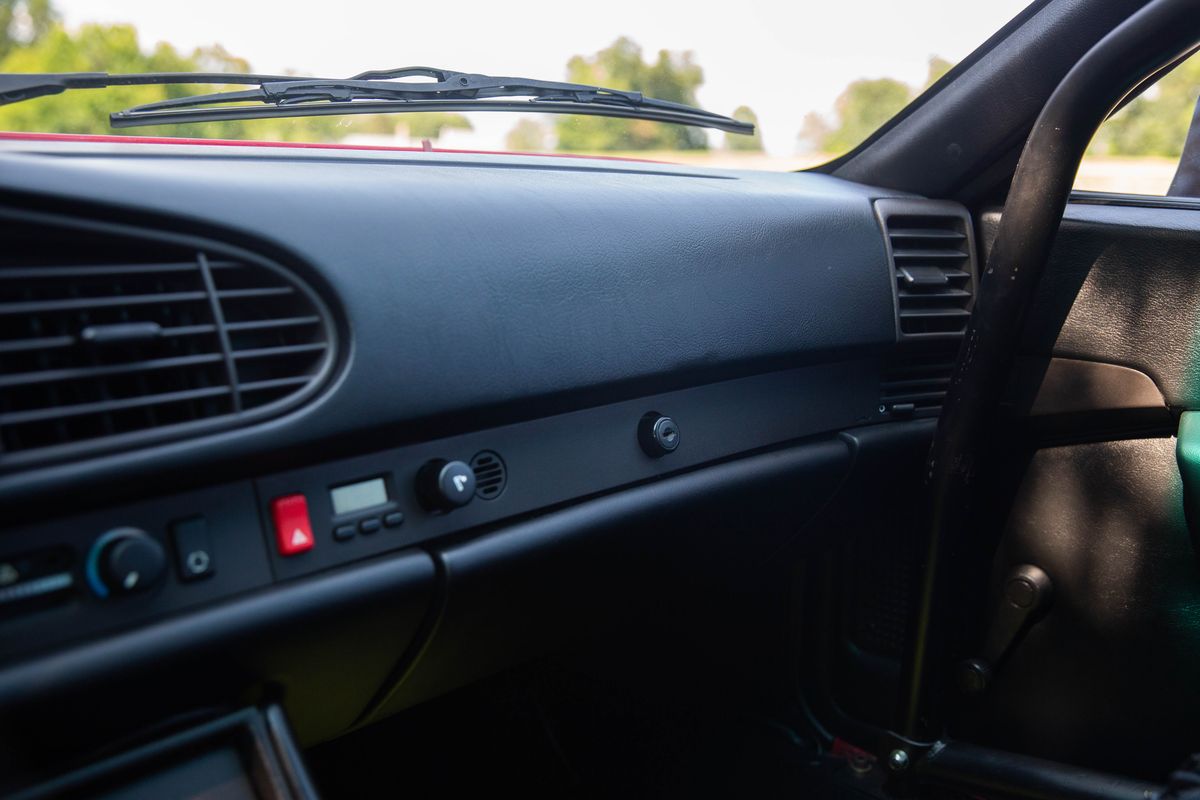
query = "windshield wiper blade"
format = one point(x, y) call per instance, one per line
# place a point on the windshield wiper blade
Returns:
point(377, 92)
point(373, 92)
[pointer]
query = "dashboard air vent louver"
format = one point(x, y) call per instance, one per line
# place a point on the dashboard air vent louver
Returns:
point(914, 383)
point(931, 248)
point(111, 337)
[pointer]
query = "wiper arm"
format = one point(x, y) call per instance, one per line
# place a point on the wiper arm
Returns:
point(376, 92)
point(16, 87)
point(373, 92)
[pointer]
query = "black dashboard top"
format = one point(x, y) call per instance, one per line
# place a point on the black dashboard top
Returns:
point(475, 289)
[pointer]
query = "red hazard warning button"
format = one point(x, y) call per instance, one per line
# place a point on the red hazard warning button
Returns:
point(293, 531)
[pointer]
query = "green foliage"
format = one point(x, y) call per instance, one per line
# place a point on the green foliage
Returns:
point(431, 126)
point(32, 40)
point(115, 48)
point(862, 108)
point(741, 143)
point(1156, 123)
point(938, 67)
point(95, 48)
point(527, 136)
point(23, 22)
point(672, 76)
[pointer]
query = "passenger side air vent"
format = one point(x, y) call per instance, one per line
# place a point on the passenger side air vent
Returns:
point(111, 337)
point(931, 250)
point(914, 383)
point(930, 245)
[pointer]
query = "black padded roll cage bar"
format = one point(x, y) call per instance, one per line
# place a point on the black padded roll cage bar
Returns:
point(1149, 40)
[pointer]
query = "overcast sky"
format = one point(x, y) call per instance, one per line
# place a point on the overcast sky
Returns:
point(782, 59)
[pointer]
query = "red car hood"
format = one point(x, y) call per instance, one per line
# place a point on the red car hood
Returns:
point(87, 137)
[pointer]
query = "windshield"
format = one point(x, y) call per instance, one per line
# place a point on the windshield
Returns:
point(816, 79)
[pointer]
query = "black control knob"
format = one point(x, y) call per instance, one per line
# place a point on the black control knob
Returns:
point(658, 434)
point(445, 485)
point(125, 561)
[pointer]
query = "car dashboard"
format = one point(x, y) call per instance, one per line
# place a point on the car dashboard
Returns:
point(352, 427)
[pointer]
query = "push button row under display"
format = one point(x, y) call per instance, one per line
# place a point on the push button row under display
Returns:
point(392, 519)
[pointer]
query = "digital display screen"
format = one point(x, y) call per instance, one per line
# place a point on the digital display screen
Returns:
point(357, 496)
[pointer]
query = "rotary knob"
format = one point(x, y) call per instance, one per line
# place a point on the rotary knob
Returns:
point(125, 561)
point(445, 485)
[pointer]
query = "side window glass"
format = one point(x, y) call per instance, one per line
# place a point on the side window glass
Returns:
point(1152, 145)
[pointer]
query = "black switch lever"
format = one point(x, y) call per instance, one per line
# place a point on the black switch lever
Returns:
point(1025, 593)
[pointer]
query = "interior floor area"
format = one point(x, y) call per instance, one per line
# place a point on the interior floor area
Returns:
point(543, 730)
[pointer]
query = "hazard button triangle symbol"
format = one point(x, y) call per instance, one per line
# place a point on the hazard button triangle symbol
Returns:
point(293, 531)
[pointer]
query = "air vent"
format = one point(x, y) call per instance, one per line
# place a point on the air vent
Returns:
point(490, 475)
point(930, 246)
point(114, 338)
point(914, 382)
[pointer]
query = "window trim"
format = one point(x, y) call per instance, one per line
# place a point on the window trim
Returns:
point(1090, 197)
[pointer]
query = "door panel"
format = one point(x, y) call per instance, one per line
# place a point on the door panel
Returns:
point(1123, 287)
point(1106, 676)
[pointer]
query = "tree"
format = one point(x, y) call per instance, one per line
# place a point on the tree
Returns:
point(432, 125)
point(1156, 123)
point(938, 67)
point(23, 22)
point(862, 108)
point(94, 48)
point(527, 136)
point(740, 142)
point(115, 48)
point(672, 76)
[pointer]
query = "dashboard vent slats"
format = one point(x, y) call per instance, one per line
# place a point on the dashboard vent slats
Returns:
point(930, 246)
point(931, 249)
point(914, 383)
point(114, 338)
